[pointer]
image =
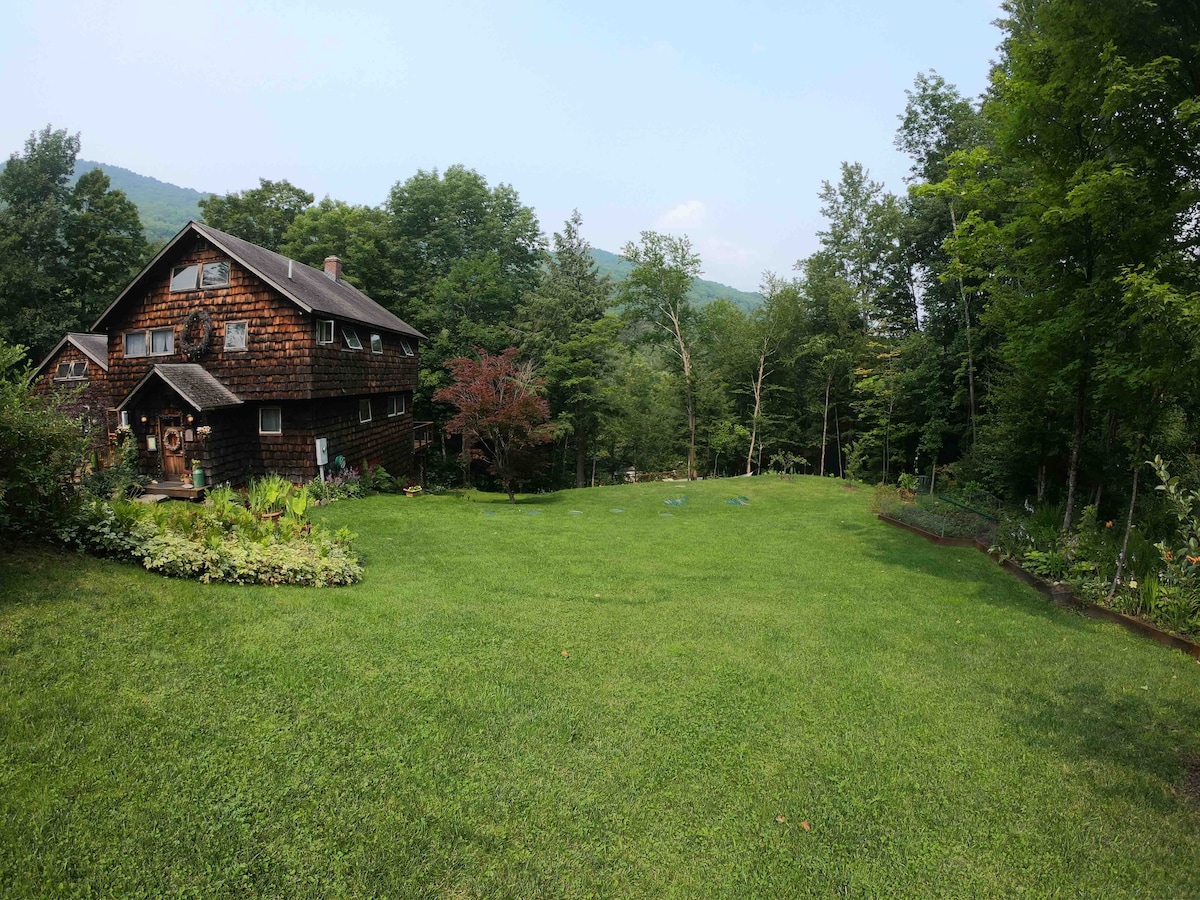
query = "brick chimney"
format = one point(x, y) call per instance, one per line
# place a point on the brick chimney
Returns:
point(333, 268)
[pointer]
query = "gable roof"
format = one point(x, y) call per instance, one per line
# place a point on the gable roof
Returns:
point(93, 346)
point(310, 289)
point(196, 386)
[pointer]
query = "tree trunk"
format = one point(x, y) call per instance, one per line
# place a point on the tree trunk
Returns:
point(758, 383)
point(581, 447)
point(837, 426)
point(962, 292)
point(825, 424)
point(1076, 447)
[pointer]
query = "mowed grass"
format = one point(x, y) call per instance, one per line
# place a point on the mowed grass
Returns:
point(784, 698)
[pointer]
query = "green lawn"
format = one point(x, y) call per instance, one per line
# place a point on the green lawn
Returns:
point(558, 699)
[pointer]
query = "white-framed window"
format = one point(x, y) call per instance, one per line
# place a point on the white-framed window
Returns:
point(364, 409)
point(395, 405)
point(68, 370)
point(350, 336)
point(214, 275)
point(325, 331)
point(155, 342)
point(376, 344)
point(183, 278)
point(406, 346)
point(270, 420)
point(200, 276)
point(235, 335)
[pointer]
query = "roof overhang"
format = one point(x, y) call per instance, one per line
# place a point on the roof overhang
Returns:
point(195, 386)
point(72, 339)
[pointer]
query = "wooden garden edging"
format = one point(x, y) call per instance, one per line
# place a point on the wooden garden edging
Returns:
point(1061, 594)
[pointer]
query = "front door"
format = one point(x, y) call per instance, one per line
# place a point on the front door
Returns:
point(170, 442)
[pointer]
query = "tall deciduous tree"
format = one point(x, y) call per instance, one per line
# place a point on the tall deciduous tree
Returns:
point(64, 251)
point(656, 293)
point(501, 414)
point(261, 215)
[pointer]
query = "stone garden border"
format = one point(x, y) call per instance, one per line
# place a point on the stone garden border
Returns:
point(1061, 594)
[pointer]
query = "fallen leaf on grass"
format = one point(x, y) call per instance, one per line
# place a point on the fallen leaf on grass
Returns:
point(805, 825)
point(565, 653)
point(781, 819)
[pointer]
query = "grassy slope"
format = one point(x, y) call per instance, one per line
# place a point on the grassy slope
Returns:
point(942, 729)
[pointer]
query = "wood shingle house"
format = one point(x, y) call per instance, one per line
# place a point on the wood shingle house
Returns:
point(264, 352)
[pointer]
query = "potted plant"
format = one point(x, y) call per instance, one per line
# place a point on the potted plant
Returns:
point(197, 473)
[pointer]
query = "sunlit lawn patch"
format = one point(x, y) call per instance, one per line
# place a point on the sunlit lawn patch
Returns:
point(583, 702)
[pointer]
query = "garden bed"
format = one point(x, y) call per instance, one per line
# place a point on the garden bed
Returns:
point(1061, 594)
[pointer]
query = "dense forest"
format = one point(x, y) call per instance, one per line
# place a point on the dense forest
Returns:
point(1022, 317)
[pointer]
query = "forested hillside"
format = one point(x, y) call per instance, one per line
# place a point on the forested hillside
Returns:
point(164, 208)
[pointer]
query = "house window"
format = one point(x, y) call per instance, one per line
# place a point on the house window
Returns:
point(64, 370)
point(364, 410)
point(351, 338)
point(136, 344)
point(395, 405)
point(162, 341)
point(208, 275)
point(235, 335)
point(183, 278)
point(406, 346)
point(325, 331)
point(376, 344)
point(270, 420)
point(67, 370)
point(214, 274)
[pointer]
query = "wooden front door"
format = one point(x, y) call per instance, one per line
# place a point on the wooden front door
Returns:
point(170, 444)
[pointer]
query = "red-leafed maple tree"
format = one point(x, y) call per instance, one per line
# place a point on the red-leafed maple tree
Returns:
point(501, 416)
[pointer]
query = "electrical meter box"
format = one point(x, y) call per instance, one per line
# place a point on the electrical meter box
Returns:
point(322, 451)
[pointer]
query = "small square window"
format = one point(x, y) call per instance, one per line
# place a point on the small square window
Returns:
point(136, 344)
point(162, 341)
point(235, 335)
point(78, 369)
point(183, 278)
point(351, 338)
point(63, 371)
point(364, 410)
point(376, 344)
point(325, 331)
point(270, 420)
point(395, 405)
point(406, 346)
point(215, 274)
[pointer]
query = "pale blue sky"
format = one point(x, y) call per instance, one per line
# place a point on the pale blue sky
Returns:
point(714, 120)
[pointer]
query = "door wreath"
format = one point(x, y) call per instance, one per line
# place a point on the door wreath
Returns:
point(196, 336)
point(171, 441)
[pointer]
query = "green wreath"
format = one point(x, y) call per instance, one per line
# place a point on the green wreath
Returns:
point(195, 348)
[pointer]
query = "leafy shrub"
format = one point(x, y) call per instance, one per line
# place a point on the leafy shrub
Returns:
point(223, 540)
point(908, 482)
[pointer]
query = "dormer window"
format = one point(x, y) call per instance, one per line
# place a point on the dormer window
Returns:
point(350, 336)
point(200, 276)
point(376, 344)
point(406, 346)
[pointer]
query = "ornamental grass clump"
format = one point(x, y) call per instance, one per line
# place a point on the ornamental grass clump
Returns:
point(226, 539)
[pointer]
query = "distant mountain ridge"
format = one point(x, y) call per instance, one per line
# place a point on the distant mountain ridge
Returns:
point(166, 208)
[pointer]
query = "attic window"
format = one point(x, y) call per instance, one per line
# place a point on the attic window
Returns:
point(376, 344)
point(351, 338)
point(406, 346)
point(215, 274)
point(183, 278)
point(68, 370)
point(325, 331)
point(196, 276)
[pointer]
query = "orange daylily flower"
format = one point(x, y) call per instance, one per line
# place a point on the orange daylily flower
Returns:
point(1108, 524)
point(1193, 559)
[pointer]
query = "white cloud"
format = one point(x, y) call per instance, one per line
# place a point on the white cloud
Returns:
point(685, 215)
point(725, 252)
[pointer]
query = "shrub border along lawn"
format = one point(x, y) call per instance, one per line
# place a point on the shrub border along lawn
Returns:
point(1061, 594)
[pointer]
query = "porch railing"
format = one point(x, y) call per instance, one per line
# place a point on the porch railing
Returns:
point(422, 436)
